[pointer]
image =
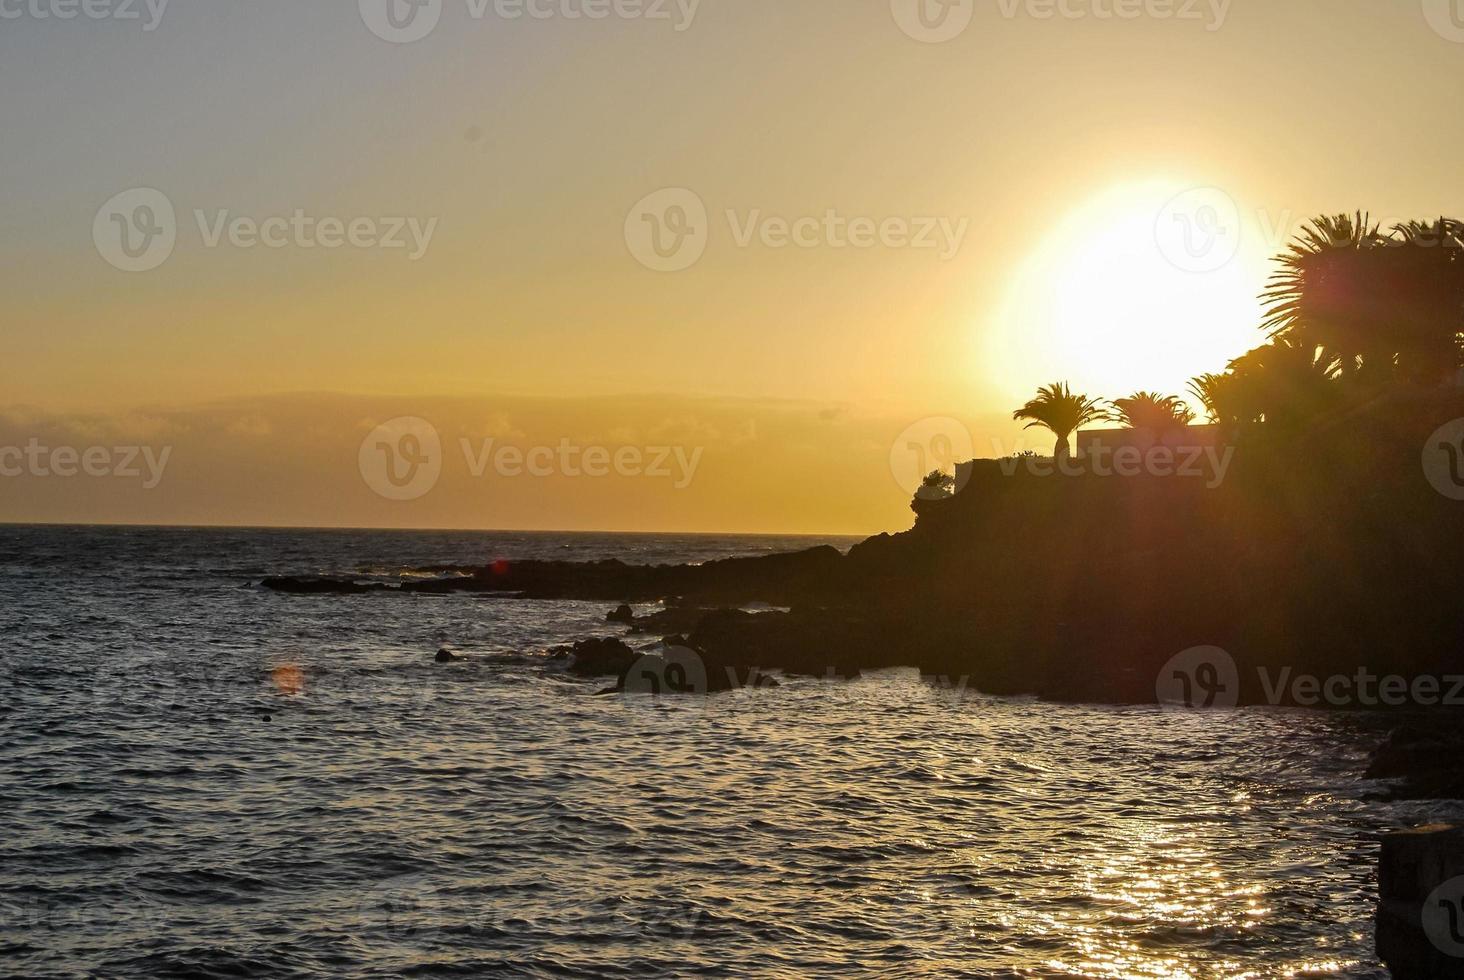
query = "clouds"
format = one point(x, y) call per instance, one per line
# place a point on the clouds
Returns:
point(762, 465)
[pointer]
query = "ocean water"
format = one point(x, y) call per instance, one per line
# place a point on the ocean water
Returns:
point(204, 779)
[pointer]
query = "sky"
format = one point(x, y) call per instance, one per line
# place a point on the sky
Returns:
point(801, 238)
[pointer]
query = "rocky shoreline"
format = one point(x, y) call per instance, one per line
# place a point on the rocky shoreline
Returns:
point(1325, 572)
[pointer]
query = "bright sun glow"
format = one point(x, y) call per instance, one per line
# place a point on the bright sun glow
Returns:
point(1117, 298)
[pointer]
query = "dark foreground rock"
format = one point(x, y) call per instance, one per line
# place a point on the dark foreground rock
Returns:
point(1420, 918)
point(1320, 553)
point(310, 585)
point(601, 657)
point(676, 618)
point(779, 579)
point(1426, 756)
point(679, 670)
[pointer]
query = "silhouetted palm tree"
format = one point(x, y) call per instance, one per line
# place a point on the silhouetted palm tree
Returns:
point(1147, 410)
point(1379, 305)
point(1426, 298)
point(1284, 381)
point(1061, 412)
point(1219, 395)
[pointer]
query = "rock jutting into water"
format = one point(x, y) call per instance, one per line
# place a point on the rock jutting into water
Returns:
point(1322, 554)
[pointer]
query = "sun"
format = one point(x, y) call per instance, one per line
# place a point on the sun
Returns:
point(1143, 287)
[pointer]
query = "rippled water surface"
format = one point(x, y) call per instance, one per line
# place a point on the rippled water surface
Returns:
point(203, 778)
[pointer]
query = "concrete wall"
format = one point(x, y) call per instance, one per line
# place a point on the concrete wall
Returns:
point(1190, 437)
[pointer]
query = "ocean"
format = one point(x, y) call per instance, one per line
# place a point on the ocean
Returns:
point(202, 778)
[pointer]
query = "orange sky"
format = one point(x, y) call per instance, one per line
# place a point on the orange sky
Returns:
point(1067, 151)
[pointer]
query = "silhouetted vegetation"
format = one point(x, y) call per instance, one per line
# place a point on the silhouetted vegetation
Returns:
point(1379, 307)
point(1147, 410)
point(937, 485)
point(1061, 412)
point(1319, 551)
point(1353, 314)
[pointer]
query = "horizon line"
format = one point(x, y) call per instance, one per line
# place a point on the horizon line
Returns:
point(423, 530)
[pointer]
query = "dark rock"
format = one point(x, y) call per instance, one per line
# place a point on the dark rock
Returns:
point(446, 656)
point(672, 619)
point(601, 657)
point(292, 585)
point(621, 614)
point(676, 670)
point(1085, 587)
point(819, 643)
point(1426, 757)
point(777, 579)
point(1420, 891)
